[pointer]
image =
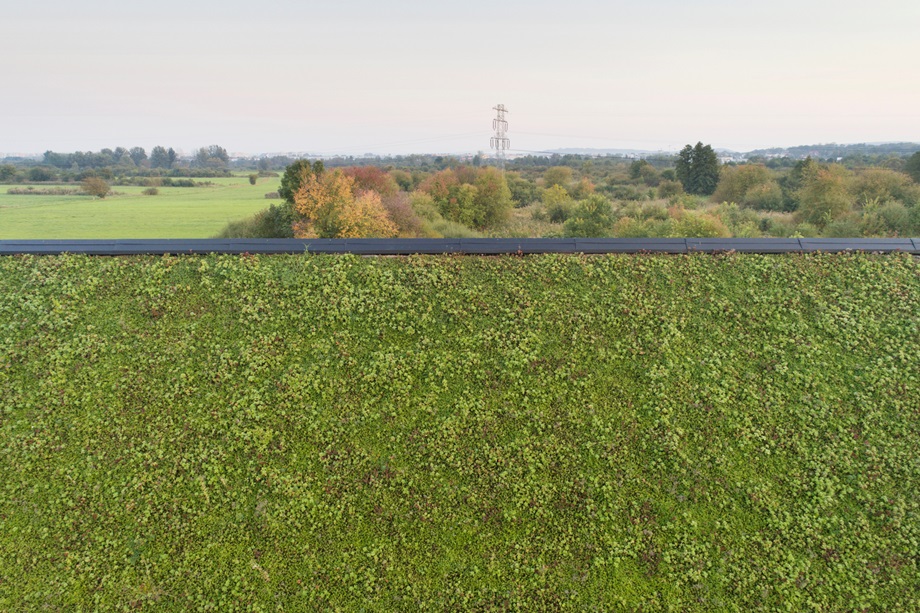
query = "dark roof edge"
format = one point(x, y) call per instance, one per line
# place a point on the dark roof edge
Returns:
point(471, 246)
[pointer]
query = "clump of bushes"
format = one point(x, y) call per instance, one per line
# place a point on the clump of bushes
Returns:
point(751, 185)
point(170, 182)
point(699, 225)
point(47, 191)
point(892, 219)
point(273, 222)
point(592, 216)
point(668, 189)
point(399, 209)
point(556, 205)
point(433, 224)
point(626, 192)
point(94, 186)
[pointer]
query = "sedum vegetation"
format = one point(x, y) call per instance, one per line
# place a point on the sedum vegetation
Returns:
point(294, 433)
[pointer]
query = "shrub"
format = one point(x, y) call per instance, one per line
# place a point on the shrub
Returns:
point(48, 191)
point(592, 216)
point(328, 206)
point(582, 189)
point(892, 219)
point(41, 174)
point(629, 227)
point(399, 208)
point(747, 230)
point(403, 179)
point(372, 178)
point(698, 225)
point(103, 173)
point(625, 192)
point(95, 186)
point(629, 209)
point(557, 175)
point(150, 181)
point(273, 222)
point(294, 176)
point(750, 185)
point(881, 186)
point(557, 202)
point(667, 188)
point(655, 211)
point(765, 197)
point(845, 227)
point(493, 201)
point(735, 181)
point(824, 195)
point(806, 230)
point(253, 178)
point(560, 211)
point(523, 191)
point(272, 196)
point(779, 227)
point(438, 185)
point(684, 201)
point(7, 172)
point(151, 191)
point(912, 167)
point(170, 182)
point(452, 229)
point(433, 224)
point(423, 204)
point(459, 203)
point(741, 222)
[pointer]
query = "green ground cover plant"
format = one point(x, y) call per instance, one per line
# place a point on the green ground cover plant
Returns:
point(540, 433)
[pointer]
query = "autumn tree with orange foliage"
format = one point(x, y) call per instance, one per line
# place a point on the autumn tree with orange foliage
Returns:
point(438, 185)
point(329, 208)
point(372, 178)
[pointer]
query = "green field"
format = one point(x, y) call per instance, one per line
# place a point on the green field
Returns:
point(540, 433)
point(177, 212)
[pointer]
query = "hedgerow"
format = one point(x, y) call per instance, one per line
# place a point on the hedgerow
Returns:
point(646, 433)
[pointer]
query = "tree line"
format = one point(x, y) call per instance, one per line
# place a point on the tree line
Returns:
point(692, 194)
point(166, 158)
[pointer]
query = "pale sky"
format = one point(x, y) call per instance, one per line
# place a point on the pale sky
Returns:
point(356, 76)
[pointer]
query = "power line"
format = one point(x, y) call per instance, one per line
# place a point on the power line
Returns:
point(366, 148)
point(603, 138)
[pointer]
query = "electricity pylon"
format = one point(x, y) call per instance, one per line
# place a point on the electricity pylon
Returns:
point(500, 142)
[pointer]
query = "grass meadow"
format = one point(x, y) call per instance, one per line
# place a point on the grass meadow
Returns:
point(176, 212)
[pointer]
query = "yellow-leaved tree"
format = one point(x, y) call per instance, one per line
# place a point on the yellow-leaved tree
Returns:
point(366, 216)
point(329, 207)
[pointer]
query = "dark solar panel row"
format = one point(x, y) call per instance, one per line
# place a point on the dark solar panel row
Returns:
point(480, 246)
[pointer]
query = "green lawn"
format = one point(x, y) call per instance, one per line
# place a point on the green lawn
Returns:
point(539, 433)
point(177, 212)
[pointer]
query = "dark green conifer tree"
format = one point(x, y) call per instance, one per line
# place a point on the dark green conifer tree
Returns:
point(698, 169)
